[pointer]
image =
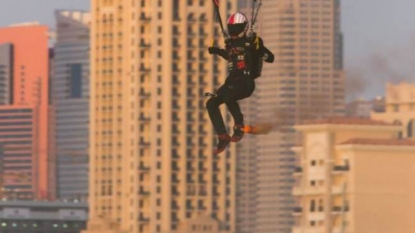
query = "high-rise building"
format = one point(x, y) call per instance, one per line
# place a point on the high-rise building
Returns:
point(24, 109)
point(70, 102)
point(355, 175)
point(304, 82)
point(400, 107)
point(151, 163)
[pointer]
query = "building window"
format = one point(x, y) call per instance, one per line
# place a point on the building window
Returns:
point(76, 80)
point(411, 128)
point(396, 108)
point(312, 206)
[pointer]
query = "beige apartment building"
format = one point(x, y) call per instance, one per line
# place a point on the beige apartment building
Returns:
point(355, 176)
point(400, 107)
point(152, 167)
point(306, 81)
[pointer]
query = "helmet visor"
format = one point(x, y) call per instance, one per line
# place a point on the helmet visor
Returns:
point(236, 29)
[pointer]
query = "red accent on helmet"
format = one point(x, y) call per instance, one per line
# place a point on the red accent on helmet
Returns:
point(231, 19)
point(237, 18)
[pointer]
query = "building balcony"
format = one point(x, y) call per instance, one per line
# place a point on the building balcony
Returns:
point(339, 209)
point(190, 157)
point(338, 230)
point(144, 143)
point(202, 168)
point(145, 45)
point(174, 206)
point(336, 190)
point(341, 169)
point(144, 118)
point(143, 192)
point(202, 156)
point(308, 229)
point(144, 168)
point(202, 191)
point(175, 168)
point(145, 70)
point(145, 18)
point(297, 211)
point(300, 191)
point(298, 171)
point(144, 94)
point(190, 169)
point(143, 219)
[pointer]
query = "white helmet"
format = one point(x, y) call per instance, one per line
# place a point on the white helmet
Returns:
point(237, 25)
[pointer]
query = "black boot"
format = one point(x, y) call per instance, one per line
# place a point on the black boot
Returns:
point(238, 133)
point(224, 140)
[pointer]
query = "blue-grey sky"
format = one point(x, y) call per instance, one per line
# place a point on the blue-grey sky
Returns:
point(377, 33)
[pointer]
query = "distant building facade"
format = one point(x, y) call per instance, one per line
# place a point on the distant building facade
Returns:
point(42, 217)
point(355, 175)
point(70, 104)
point(306, 81)
point(24, 99)
point(400, 107)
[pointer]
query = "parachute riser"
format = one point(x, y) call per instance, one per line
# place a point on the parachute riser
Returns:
point(254, 14)
point(216, 7)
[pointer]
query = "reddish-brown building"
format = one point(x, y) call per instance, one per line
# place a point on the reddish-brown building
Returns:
point(24, 110)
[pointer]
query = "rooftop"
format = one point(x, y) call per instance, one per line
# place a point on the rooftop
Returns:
point(384, 142)
point(347, 121)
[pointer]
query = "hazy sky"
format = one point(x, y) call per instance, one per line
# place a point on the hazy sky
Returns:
point(376, 32)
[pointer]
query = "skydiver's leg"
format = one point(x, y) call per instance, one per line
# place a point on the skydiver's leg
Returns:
point(215, 116)
point(240, 89)
point(212, 106)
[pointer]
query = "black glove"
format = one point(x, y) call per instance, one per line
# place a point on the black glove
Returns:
point(227, 41)
point(213, 50)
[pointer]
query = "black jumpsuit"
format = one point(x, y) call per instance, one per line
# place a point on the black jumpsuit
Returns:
point(245, 57)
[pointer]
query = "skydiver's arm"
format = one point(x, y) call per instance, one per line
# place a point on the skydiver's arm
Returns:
point(218, 51)
point(264, 52)
point(268, 55)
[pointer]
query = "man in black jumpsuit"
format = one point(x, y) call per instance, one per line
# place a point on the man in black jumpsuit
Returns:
point(245, 56)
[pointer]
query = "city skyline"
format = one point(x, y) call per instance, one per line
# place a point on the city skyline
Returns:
point(109, 113)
